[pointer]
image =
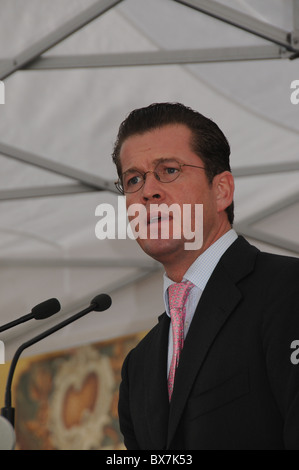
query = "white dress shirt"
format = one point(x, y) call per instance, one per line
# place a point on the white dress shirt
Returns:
point(198, 273)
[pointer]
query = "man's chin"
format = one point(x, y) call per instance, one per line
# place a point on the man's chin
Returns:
point(161, 249)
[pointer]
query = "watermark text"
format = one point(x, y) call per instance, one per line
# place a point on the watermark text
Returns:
point(295, 94)
point(158, 221)
point(295, 354)
point(2, 352)
point(2, 93)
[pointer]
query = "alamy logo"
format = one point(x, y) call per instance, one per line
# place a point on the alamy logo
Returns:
point(295, 354)
point(158, 221)
point(295, 94)
point(2, 93)
point(2, 352)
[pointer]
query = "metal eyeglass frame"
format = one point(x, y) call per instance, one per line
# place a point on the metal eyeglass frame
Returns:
point(120, 188)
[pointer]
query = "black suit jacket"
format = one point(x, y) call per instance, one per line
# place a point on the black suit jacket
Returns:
point(236, 386)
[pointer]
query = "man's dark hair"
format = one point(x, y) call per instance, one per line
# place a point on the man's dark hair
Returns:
point(207, 140)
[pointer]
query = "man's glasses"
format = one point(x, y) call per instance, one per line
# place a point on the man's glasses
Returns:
point(165, 171)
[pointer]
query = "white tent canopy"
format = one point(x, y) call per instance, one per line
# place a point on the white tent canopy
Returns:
point(72, 71)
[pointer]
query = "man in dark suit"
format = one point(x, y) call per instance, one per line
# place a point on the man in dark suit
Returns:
point(236, 384)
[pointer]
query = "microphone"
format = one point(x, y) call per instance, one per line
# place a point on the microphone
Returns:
point(39, 312)
point(100, 303)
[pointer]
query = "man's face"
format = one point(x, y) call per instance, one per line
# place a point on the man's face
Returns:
point(142, 152)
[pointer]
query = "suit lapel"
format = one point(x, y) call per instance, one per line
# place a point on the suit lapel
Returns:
point(219, 299)
point(155, 380)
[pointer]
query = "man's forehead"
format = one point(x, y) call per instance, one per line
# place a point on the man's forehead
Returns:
point(157, 143)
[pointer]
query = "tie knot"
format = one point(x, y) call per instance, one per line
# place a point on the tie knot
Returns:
point(178, 293)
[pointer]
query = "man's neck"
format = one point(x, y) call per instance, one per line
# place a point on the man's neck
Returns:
point(179, 265)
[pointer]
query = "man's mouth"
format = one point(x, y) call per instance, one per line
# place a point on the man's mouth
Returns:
point(152, 219)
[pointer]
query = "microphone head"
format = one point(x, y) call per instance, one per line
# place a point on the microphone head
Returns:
point(101, 302)
point(46, 309)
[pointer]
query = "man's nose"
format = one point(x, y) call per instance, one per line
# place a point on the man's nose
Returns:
point(152, 186)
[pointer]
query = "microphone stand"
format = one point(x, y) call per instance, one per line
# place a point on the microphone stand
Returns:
point(16, 322)
point(39, 312)
point(8, 411)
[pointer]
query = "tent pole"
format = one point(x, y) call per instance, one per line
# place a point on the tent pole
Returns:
point(242, 21)
point(71, 26)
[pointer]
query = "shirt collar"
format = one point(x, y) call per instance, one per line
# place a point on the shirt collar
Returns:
point(201, 269)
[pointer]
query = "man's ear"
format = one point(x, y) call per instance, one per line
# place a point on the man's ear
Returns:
point(224, 186)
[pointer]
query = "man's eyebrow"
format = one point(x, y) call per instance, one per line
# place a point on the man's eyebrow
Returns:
point(165, 159)
point(155, 162)
point(130, 170)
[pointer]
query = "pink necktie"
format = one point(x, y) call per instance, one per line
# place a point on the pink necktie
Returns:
point(177, 296)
